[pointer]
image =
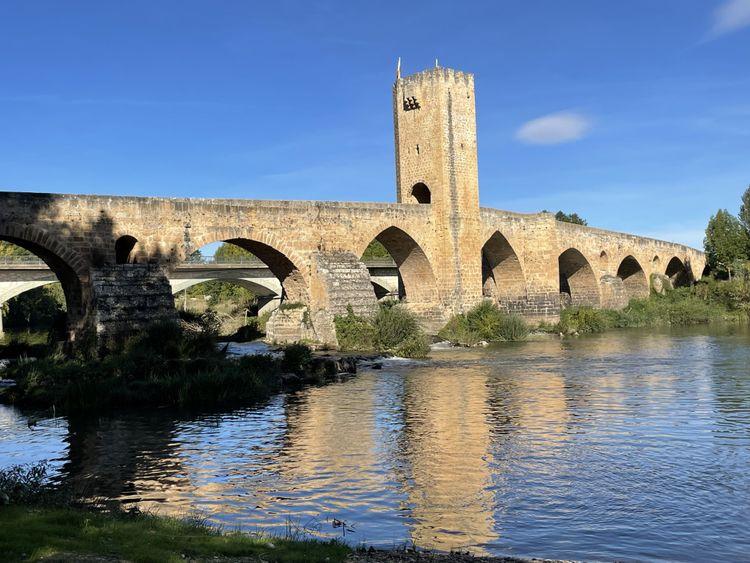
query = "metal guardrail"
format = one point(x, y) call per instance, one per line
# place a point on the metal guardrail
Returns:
point(21, 260)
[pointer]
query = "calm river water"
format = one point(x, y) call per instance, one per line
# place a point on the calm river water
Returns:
point(626, 445)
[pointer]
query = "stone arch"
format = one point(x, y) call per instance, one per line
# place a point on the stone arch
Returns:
point(633, 278)
point(417, 282)
point(124, 249)
point(283, 262)
point(502, 275)
point(655, 261)
point(420, 193)
point(678, 272)
point(64, 262)
point(577, 279)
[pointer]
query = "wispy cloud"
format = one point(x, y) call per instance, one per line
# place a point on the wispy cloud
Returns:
point(50, 99)
point(729, 17)
point(555, 128)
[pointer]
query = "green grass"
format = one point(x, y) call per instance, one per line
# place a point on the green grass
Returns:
point(484, 322)
point(32, 344)
point(30, 534)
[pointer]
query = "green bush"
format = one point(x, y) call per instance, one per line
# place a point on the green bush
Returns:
point(354, 332)
point(248, 332)
point(26, 484)
point(484, 322)
point(263, 320)
point(585, 320)
point(513, 328)
point(392, 329)
point(394, 324)
point(413, 346)
point(458, 331)
point(296, 359)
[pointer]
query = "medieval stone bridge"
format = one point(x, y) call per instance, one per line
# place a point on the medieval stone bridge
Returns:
point(114, 255)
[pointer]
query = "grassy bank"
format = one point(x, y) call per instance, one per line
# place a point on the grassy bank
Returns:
point(169, 364)
point(707, 302)
point(33, 533)
point(392, 329)
point(40, 521)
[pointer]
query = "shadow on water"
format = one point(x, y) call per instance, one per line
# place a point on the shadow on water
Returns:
point(622, 445)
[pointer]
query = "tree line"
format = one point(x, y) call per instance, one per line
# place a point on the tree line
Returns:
point(727, 240)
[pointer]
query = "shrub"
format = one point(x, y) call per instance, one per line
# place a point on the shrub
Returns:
point(263, 320)
point(392, 329)
point(248, 332)
point(458, 331)
point(296, 359)
point(413, 346)
point(394, 324)
point(513, 328)
point(354, 332)
point(25, 484)
point(585, 320)
point(484, 322)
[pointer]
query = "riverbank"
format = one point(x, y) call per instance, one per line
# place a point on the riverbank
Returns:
point(69, 534)
point(43, 534)
point(706, 302)
point(168, 365)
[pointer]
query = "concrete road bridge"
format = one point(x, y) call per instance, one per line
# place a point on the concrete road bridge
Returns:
point(115, 256)
point(19, 274)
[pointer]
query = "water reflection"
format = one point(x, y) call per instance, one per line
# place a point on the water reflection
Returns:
point(626, 445)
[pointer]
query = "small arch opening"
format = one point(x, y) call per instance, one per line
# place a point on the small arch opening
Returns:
point(123, 249)
point(633, 278)
point(678, 272)
point(502, 276)
point(578, 284)
point(421, 193)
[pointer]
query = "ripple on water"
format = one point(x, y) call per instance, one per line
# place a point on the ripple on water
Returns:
point(625, 445)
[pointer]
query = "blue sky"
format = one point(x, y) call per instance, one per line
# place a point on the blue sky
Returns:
point(634, 114)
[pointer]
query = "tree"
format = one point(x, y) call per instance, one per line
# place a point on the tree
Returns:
point(36, 308)
point(568, 217)
point(228, 252)
point(8, 249)
point(196, 257)
point(375, 250)
point(726, 242)
point(745, 210)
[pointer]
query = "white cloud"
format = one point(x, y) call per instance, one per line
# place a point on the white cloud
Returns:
point(555, 128)
point(730, 16)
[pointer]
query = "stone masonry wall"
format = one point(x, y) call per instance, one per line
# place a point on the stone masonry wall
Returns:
point(128, 297)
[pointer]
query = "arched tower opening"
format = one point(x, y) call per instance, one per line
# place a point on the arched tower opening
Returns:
point(420, 193)
point(578, 284)
point(124, 249)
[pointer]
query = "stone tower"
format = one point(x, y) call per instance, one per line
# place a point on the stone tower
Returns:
point(436, 163)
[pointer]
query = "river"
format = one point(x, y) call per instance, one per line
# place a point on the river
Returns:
point(627, 445)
